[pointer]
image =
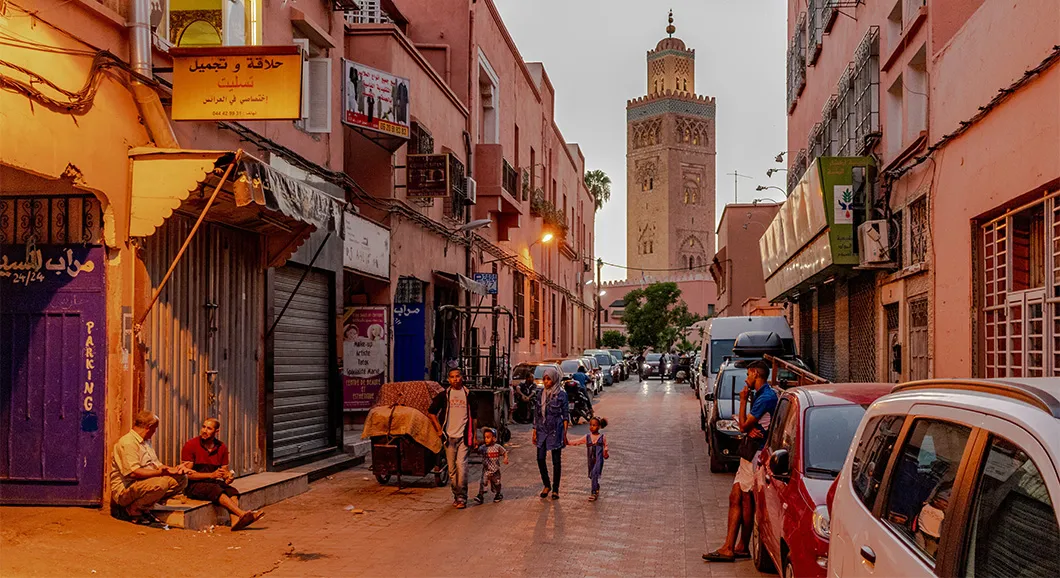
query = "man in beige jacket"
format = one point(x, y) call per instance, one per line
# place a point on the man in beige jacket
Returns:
point(138, 480)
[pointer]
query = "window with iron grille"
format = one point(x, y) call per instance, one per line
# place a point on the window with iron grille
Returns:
point(830, 127)
point(535, 310)
point(51, 220)
point(866, 89)
point(919, 365)
point(420, 140)
point(519, 297)
point(815, 27)
point(409, 291)
point(797, 63)
point(918, 230)
point(845, 114)
point(511, 180)
point(455, 203)
point(815, 144)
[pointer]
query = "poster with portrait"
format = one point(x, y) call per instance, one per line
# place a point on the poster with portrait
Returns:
point(365, 355)
point(374, 99)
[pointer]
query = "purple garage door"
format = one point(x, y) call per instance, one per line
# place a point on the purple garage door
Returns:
point(52, 374)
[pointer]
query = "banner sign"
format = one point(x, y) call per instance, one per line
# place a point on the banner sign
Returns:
point(375, 100)
point(428, 176)
point(489, 280)
point(237, 83)
point(365, 355)
point(366, 247)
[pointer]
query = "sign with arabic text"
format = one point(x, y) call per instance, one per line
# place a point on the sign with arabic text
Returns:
point(237, 83)
point(365, 355)
point(366, 247)
point(428, 176)
point(374, 99)
point(47, 266)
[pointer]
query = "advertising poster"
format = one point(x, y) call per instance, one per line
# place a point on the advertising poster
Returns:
point(375, 100)
point(365, 355)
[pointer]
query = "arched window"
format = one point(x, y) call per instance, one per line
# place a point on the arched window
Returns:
point(651, 183)
point(686, 196)
point(651, 247)
point(685, 86)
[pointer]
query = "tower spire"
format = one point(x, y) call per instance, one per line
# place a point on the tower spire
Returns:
point(670, 29)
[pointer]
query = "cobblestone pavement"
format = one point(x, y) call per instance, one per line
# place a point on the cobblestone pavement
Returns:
point(659, 508)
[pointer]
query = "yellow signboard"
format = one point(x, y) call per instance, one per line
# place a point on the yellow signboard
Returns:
point(237, 83)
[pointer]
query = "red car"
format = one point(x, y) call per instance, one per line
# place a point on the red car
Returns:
point(807, 445)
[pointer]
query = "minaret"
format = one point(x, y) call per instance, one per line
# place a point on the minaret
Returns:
point(670, 157)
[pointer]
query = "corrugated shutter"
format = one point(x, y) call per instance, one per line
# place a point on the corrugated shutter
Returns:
point(806, 325)
point(862, 316)
point(301, 369)
point(202, 339)
point(826, 332)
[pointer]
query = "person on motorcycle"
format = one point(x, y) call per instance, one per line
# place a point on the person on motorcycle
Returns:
point(583, 379)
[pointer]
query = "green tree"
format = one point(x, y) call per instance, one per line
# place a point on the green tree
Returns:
point(599, 185)
point(655, 316)
point(612, 339)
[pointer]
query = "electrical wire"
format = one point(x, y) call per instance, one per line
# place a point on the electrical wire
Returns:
point(705, 266)
point(77, 102)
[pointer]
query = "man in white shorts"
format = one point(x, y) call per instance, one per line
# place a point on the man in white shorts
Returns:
point(755, 425)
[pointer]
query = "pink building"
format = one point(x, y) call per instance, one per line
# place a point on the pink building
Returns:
point(950, 231)
point(697, 291)
point(475, 98)
point(737, 267)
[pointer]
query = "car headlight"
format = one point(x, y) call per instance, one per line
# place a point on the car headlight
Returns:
point(821, 522)
point(727, 425)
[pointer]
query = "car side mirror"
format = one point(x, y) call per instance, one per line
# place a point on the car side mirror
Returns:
point(780, 464)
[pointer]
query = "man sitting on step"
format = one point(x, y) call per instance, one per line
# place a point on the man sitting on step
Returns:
point(210, 477)
point(138, 480)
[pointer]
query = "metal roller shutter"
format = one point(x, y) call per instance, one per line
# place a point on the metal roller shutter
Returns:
point(826, 332)
point(301, 369)
point(862, 317)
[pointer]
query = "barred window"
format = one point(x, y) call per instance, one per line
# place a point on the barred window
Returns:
point(918, 230)
point(797, 63)
point(866, 86)
point(830, 127)
point(919, 363)
point(797, 169)
point(815, 27)
point(845, 114)
point(535, 310)
point(519, 296)
point(816, 143)
point(455, 203)
point(420, 140)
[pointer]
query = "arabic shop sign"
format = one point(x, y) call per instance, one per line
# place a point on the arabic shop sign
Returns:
point(31, 265)
point(428, 176)
point(237, 83)
point(374, 99)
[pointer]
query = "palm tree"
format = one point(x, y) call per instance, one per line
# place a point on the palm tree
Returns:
point(599, 185)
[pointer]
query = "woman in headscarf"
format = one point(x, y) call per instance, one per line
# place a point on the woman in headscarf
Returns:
point(551, 417)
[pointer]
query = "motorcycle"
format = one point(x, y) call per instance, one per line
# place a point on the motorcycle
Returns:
point(581, 408)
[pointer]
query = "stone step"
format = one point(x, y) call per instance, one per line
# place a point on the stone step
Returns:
point(255, 491)
point(327, 466)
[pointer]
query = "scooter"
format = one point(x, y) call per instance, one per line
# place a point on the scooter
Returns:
point(581, 408)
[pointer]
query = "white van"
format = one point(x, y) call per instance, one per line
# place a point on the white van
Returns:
point(718, 339)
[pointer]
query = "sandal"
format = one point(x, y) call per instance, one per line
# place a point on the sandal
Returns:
point(716, 556)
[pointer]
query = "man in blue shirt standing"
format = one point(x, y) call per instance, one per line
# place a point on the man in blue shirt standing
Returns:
point(755, 426)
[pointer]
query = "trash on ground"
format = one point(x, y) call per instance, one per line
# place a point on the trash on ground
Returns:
point(348, 508)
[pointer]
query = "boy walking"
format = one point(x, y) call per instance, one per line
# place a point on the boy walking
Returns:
point(492, 452)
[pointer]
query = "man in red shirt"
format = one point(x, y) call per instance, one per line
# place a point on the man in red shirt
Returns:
point(211, 477)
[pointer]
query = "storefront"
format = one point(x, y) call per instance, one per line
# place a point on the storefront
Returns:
point(205, 348)
point(53, 349)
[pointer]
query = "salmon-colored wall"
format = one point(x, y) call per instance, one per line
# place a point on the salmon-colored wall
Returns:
point(742, 264)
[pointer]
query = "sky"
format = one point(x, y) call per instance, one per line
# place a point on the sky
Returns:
point(595, 54)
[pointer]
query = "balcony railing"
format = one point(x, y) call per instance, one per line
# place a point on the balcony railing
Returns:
point(119, 6)
point(510, 180)
point(370, 13)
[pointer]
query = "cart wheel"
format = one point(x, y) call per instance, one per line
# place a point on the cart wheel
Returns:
point(382, 479)
point(506, 434)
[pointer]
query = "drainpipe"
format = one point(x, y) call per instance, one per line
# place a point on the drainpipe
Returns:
point(147, 101)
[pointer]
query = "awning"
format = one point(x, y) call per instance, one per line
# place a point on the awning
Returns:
point(463, 282)
point(256, 197)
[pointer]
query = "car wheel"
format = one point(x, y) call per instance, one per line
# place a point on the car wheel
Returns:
point(702, 420)
point(716, 465)
point(759, 555)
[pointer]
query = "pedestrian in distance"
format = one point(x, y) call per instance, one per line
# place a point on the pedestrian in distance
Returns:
point(451, 412)
point(524, 402)
point(596, 444)
point(551, 418)
point(138, 479)
point(755, 426)
point(492, 452)
point(583, 380)
point(210, 478)
point(640, 365)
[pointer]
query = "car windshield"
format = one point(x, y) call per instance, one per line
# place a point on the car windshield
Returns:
point(731, 383)
point(719, 350)
point(570, 365)
point(653, 357)
point(617, 354)
point(603, 358)
point(521, 371)
point(828, 434)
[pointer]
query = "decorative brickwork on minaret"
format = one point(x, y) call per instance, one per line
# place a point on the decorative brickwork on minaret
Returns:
point(670, 155)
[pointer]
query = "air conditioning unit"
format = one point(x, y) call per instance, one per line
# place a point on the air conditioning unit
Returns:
point(874, 242)
point(472, 190)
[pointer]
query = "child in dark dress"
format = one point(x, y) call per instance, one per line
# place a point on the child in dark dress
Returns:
point(596, 444)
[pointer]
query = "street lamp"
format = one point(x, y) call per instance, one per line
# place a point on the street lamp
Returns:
point(756, 201)
point(770, 172)
point(766, 187)
point(544, 239)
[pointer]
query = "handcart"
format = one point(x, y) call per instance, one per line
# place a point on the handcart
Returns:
point(404, 442)
point(487, 370)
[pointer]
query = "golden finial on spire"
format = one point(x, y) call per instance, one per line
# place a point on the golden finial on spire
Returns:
point(671, 29)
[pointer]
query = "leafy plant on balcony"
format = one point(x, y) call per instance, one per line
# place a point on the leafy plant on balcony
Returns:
point(553, 218)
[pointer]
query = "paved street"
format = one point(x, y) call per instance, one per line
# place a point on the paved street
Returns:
point(659, 506)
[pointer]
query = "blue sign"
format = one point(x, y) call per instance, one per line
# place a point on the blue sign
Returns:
point(489, 280)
